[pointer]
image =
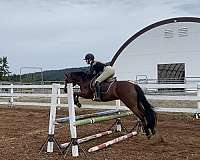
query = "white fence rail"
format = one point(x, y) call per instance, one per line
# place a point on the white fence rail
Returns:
point(11, 89)
point(163, 86)
point(11, 94)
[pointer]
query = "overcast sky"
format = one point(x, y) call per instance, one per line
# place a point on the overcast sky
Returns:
point(56, 34)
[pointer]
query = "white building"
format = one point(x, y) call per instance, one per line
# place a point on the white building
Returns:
point(165, 49)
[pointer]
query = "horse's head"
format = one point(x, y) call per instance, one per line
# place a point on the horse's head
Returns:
point(68, 79)
point(74, 78)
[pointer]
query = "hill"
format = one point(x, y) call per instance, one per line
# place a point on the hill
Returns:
point(49, 75)
point(52, 75)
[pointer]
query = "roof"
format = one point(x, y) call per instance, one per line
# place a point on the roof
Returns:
point(150, 27)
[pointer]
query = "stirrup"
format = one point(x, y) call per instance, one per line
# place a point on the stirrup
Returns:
point(97, 99)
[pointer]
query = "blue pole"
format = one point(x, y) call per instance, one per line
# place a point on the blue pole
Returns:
point(66, 119)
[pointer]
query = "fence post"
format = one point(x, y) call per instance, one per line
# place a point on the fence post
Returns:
point(119, 126)
point(198, 102)
point(72, 119)
point(11, 93)
point(58, 99)
point(52, 116)
point(117, 102)
point(198, 94)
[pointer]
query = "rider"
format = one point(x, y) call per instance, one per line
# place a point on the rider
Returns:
point(103, 71)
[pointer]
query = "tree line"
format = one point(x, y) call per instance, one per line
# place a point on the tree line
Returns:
point(50, 75)
point(4, 68)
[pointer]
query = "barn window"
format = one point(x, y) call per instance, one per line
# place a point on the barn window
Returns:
point(171, 73)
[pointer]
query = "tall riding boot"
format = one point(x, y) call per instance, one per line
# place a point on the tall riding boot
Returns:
point(97, 92)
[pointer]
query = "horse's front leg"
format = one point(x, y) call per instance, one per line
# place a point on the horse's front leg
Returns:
point(76, 101)
point(76, 98)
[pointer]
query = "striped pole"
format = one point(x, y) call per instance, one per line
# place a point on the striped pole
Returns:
point(101, 119)
point(66, 119)
point(116, 140)
point(88, 138)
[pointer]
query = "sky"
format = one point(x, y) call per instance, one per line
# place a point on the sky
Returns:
point(56, 34)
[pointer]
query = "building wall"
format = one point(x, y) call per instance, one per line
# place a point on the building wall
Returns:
point(171, 42)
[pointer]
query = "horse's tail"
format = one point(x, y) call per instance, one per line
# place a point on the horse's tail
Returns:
point(148, 108)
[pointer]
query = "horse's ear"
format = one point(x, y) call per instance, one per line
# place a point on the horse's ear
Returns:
point(67, 74)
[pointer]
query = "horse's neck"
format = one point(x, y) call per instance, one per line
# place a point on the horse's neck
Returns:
point(85, 85)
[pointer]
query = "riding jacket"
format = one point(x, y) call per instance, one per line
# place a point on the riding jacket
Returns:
point(97, 68)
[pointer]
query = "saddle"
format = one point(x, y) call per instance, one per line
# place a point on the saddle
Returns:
point(105, 85)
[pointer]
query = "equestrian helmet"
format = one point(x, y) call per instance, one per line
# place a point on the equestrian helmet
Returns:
point(89, 56)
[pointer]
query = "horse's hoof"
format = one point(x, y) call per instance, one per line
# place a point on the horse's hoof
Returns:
point(97, 99)
point(149, 136)
point(148, 133)
point(153, 132)
point(65, 90)
point(78, 105)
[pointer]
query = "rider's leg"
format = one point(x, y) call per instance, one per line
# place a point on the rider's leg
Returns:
point(108, 72)
point(97, 92)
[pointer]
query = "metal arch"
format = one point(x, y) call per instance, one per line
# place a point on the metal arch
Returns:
point(152, 26)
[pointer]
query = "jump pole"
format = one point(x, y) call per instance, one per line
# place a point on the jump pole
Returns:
point(116, 140)
point(66, 119)
point(101, 119)
point(88, 138)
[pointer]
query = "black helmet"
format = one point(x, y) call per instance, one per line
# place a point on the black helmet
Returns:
point(89, 56)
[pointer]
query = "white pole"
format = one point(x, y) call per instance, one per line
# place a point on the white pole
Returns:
point(198, 102)
point(117, 104)
point(11, 92)
point(52, 116)
point(72, 119)
point(58, 100)
point(198, 94)
point(119, 126)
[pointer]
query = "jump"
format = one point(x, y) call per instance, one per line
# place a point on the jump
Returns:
point(129, 93)
point(98, 84)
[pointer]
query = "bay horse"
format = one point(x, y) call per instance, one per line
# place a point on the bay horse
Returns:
point(129, 93)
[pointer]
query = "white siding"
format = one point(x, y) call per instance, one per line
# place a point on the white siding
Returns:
point(143, 54)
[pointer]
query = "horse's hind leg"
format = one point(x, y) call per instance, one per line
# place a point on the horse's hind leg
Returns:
point(150, 117)
point(144, 123)
point(133, 106)
point(144, 120)
point(146, 107)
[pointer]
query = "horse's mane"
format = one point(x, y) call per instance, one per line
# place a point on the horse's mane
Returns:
point(79, 73)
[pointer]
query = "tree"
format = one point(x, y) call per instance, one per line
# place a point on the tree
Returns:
point(3, 68)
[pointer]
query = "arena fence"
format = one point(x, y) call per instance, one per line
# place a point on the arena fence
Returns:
point(8, 93)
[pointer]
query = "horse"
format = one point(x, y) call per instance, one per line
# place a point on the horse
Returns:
point(129, 93)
